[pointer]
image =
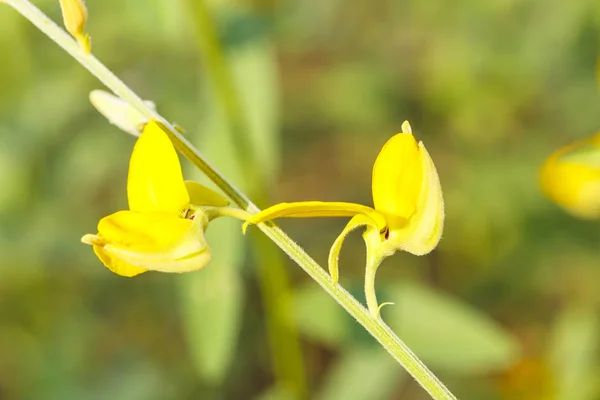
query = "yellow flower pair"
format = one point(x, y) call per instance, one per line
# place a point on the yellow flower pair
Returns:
point(163, 230)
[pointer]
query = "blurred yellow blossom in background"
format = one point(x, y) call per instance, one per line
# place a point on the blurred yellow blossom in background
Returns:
point(570, 177)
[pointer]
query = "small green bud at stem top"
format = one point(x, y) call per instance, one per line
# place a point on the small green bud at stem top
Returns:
point(75, 16)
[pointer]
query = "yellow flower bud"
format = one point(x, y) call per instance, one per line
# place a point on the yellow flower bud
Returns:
point(75, 16)
point(119, 112)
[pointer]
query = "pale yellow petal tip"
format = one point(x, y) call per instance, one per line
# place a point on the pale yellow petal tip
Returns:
point(406, 128)
point(387, 303)
point(93, 240)
point(245, 226)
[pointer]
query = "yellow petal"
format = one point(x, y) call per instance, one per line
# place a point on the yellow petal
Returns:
point(200, 195)
point(151, 241)
point(571, 178)
point(116, 265)
point(310, 209)
point(407, 189)
point(424, 229)
point(358, 221)
point(155, 181)
point(397, 176)
point(152, 230)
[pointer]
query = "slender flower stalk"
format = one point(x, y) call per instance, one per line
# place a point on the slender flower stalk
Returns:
point(377, 328)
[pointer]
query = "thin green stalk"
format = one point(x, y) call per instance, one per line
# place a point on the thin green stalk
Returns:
point(370, 272)
point(377, 328)
point(217, 212)
point(275, 287)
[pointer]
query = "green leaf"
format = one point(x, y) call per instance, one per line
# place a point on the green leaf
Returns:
point(363, 374)
point(212, 297)
point(447, 333)
point(252, 68)
point(318, 316)
point(276, 392)
point(573, 353)
point(211, 303)
point(16, 70)
point(254, 71)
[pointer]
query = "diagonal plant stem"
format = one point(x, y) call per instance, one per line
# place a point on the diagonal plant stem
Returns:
point(375, 326)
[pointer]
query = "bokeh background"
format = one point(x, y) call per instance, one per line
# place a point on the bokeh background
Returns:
point(506, 308)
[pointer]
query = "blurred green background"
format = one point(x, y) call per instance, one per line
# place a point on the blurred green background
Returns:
point(507, 307)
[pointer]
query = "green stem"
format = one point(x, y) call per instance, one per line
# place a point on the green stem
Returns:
point(370, 271)
point(216, 212)
point(377, 328)
point(374, 259)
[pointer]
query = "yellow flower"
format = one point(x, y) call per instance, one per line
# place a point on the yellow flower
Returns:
point(408, 211)
point(163, 230)
point(571, 178)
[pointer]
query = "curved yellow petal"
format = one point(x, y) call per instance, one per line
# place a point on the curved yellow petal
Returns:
point(423, 231)
point(358, 221)
point(310, 209)
point(151, 241)
point(397, 176)
point(116, 265)
point(571, 178)
point(407, 189)
point(155, 181)
point(144, 231)
point(200, 195)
